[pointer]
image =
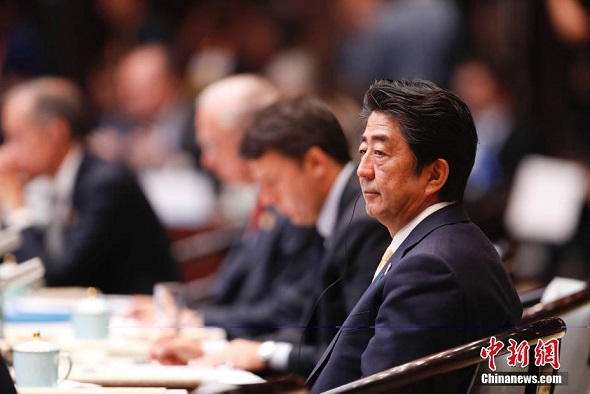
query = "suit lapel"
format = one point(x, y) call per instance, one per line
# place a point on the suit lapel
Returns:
point(451, 214)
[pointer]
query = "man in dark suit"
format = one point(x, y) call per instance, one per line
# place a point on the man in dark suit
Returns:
point(441, 282)
point(102, 231)
point(299, 155)
point(262, 283)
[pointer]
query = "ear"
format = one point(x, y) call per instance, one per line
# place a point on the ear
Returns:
point(438, 173)
point(315, 162)
point(59, 130)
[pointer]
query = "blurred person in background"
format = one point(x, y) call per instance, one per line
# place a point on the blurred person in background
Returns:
point(297, 71)
point(154, 124)
point(298, 153)
point(220, 38)
point(264, 281)
point(395, 39)
point(103, 232)
point(567, 91)
point(153, 132)
point(502, 143)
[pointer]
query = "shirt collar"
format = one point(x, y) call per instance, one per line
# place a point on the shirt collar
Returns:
point(66, 174)
point(403, 233)
point(329, 213)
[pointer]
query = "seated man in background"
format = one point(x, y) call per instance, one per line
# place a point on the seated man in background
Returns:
point(103, 233)
point(441, 283)
point(299, 155)
point(263, 282)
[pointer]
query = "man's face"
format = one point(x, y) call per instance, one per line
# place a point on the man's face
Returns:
point(289, 186)
point(220, 150)
point(29, 146)
point(394, 195)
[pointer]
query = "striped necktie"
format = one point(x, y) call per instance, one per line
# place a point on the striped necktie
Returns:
point(386, 256)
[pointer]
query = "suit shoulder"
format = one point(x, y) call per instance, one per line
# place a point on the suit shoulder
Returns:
point(97, 172)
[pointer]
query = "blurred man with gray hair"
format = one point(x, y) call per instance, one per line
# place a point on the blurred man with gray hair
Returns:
point(103, 232)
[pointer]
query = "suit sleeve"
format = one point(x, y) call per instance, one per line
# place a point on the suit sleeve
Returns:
point(283, 306)
point(274, 287)
point(422, 308)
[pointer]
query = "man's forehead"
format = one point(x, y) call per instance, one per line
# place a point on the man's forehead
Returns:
point(379, 128)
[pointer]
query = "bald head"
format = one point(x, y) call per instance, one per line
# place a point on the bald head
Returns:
point(234, 100)
point(224, 110)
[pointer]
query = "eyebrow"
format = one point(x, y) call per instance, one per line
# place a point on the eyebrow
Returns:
point(376, 138)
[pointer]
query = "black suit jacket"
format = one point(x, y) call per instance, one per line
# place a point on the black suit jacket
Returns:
point(264, 281)
point(345, 270)
point(112, 241)
point(6, 383)
point(446, 287)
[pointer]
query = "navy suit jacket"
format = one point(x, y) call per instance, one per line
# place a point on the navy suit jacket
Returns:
point(112, 240)
point(446, 287)
point(352, 254)
point(263, 283)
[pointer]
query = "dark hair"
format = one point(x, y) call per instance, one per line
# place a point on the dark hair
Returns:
point(434, 122)
point(291, 127)
point(50, 106)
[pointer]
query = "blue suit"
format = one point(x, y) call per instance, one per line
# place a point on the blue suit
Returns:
point(112, 240)
point(446, 286)
point(264, 281)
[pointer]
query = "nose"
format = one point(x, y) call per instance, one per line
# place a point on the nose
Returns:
point(365, 168)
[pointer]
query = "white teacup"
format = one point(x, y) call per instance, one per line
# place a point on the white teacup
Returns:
point(91, 317)
point(36, 363)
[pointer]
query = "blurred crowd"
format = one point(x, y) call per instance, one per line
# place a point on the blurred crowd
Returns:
point(523, 68)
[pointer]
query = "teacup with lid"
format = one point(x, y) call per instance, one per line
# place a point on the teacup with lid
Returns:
point(91, 316)
point(36, 363)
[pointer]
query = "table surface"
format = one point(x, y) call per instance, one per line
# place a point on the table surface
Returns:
point(120, 360)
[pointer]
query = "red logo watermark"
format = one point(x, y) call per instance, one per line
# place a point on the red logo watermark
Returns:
point(546, 352)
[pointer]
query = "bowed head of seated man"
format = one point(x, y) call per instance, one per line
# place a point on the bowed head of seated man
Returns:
point(442, 283)
point(299, 155)
point(262, 283)
point(102, 231)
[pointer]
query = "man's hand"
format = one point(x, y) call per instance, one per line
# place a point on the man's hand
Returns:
point(241, 354)
point(174, 350)
point(11, 181)
point(141, 307)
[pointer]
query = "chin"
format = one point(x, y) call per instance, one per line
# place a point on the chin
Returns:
point(371, 211)
point(301, 221)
